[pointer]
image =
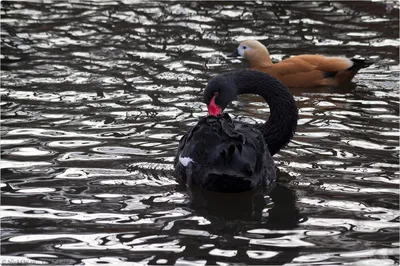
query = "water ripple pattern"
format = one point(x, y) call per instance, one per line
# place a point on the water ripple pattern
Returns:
point(95, 96)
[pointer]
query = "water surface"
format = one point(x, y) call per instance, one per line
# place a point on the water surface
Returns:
point(96, 95)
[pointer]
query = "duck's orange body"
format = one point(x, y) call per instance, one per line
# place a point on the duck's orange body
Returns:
point(303, 70)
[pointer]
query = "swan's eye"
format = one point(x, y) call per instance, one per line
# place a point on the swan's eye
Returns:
point(216, 94)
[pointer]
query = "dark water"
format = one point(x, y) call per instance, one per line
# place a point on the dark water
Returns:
point(95, 96)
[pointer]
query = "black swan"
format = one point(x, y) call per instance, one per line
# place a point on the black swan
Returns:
point(223, 155)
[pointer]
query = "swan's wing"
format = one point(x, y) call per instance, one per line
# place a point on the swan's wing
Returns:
point(221, 147)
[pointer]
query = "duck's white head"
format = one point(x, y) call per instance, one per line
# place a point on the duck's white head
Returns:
point(254, 51)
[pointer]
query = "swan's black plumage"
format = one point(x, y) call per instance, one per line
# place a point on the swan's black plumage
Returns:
point(229, 156)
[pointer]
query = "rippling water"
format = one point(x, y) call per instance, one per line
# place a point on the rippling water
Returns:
point(95, 96)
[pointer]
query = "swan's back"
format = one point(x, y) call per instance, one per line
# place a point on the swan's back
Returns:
point(226, 156)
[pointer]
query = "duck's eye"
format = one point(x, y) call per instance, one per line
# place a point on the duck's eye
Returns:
point(244, 47)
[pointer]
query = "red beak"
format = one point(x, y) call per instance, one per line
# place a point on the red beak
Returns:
point(213, 109)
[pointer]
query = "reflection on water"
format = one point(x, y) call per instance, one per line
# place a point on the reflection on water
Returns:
point(95, 96)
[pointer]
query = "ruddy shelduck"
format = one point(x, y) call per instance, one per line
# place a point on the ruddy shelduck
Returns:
point(305, 70)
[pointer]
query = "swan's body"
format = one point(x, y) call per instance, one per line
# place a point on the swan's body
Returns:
point(228, 156)
point(306, 70)
point(225, 156)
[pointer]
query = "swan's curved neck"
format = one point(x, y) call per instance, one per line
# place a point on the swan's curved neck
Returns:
point(282, 122)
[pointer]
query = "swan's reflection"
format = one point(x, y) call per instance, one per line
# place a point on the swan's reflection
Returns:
point(284, 214)
point(233, 216)
point(248, 205)
point(275, 206)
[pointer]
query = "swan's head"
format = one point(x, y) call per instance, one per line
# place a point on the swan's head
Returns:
point(220, 91)
point(252, 50)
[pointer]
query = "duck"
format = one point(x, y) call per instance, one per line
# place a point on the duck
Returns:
point(224, 155)
point(307, 70)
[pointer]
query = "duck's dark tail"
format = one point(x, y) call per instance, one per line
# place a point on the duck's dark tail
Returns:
point(360, 63)
point(347, 75)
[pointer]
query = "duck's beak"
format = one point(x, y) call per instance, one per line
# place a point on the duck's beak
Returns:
point(234, 54)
